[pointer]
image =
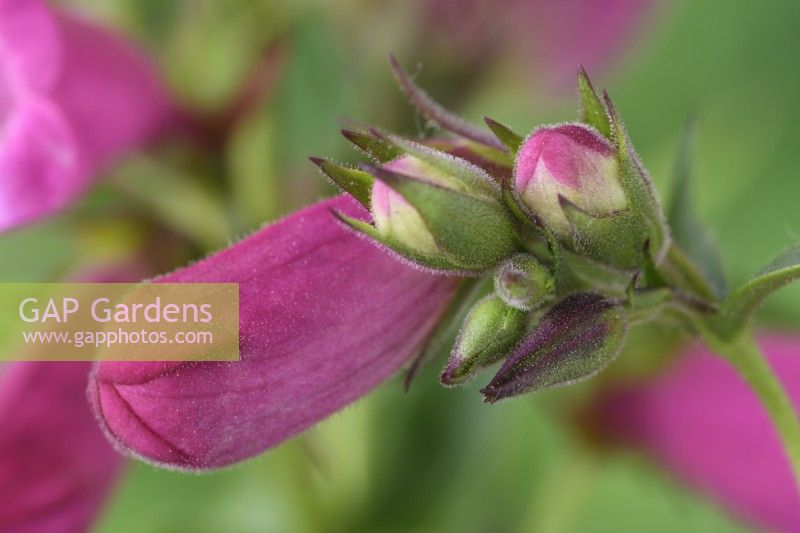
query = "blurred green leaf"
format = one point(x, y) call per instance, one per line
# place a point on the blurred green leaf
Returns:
point(687, 229)
point(37, 253)
point(176, 200)
point(253, 171)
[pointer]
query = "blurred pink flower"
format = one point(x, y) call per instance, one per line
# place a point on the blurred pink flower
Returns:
point(55, 466)
point(552, 37)
point(703, 422)
point(325, 317)
point(72, 98)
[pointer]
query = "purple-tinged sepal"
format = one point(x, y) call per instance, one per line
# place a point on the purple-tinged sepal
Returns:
point(443, 168)
point(575, 340)
point(523, 283)
point(490, 331)
point(438, 115)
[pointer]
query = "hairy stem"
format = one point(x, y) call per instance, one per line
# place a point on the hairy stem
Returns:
point(745, 355)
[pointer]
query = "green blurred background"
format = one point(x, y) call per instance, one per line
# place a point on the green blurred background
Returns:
point(430, 459)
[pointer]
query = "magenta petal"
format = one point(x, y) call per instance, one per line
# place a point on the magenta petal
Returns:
point(324, 318)
point(72, 99)
point(39, 164)
point(55, 465)
point(702, 421)
point(105, 76)
point(29, 46)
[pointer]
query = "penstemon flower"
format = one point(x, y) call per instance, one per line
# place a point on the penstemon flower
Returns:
point(72, 98)
point(542, 251)
point(324, 318)
point(55, 466)
point(544, 36)
point(700, 419)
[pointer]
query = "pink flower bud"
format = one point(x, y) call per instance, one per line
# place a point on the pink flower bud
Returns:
point(72, 98)
point(395, 217)
point(569, 160)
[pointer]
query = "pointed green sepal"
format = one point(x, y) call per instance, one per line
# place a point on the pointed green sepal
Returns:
point(353, 181)
point(591, 110)
point(373, 146)
point(505, 135)
point(584, 273)
point(742, 302)
point(435, 113)
point(489, 332)
point(462, 175)
point(476, 232)
point(616, 239)
point(641, 193)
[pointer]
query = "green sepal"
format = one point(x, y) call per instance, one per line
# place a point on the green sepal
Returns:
point(476, 232)
point(616, 239)
point(489, 332)
point(437, 262)
point(465, 176)
point(373, 146)
point(591, 109)
point(639, 189)
point(689, 233)
point(353, 181)
point(584, 273)
point(742, 302)
point(437, 114)
point(505, 135)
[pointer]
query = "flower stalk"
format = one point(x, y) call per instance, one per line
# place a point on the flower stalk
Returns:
point(746, 357)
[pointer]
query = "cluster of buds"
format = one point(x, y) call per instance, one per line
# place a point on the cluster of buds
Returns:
point(565, 223)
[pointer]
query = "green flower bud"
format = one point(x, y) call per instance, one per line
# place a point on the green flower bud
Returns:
point(524, 283)
point(488, 334)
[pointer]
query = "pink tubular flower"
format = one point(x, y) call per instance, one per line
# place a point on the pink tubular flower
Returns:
point(324, 317)
point(55, 466)
point(72, 98)
point(701, 420)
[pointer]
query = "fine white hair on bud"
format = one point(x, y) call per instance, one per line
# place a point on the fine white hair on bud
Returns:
point(572, 161)
point(524, 283)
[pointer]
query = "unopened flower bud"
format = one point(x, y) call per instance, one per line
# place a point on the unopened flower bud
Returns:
point(575, 340)
point(434, 209)
point(523, 282)
point(394, 216)
point(572, 161)
point(489, 332)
